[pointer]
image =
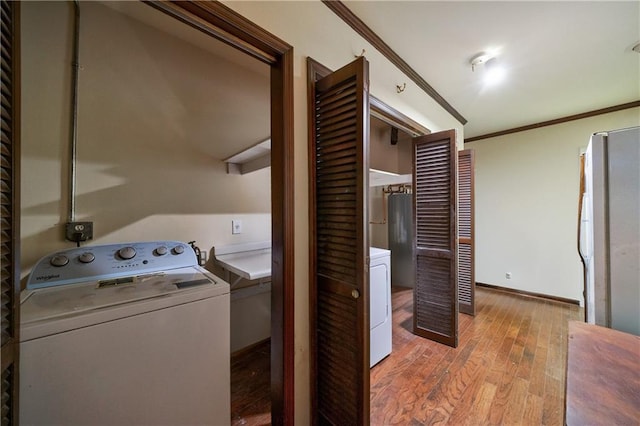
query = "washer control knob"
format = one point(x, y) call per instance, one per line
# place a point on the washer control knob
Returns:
point(59, 260)
point(127, 253)
point(162, 250)
point(178, 250)
point(86, 257)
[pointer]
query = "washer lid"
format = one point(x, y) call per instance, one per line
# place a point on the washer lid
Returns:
point(375, 252)
point(57, 309)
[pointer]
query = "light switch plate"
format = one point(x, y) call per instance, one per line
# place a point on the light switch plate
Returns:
point(236, 226)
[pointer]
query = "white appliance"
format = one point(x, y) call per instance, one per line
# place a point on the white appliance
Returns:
point(380, 304)
point(610, 230)
point(124, 334)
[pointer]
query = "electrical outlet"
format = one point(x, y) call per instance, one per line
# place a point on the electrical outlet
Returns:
point(236, 226)
point(508, 275)
point(79, 231)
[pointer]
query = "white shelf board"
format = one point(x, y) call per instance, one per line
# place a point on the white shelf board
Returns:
point(383, 178)
point(251, 159)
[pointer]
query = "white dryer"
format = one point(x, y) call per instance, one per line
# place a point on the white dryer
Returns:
point(380, 304)
point(124, 334)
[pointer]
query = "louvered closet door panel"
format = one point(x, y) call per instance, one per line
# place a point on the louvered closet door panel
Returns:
point(435, 293)
point(8, 206)
point(466, 266)
point(341, 245)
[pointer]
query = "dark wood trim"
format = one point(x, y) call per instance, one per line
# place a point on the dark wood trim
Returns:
point(283, 250)
point(315, 71)
point(10, 351)
point(222, 23)
point(530, 294)
point(226, 25)
point(369, 35)
point(15, 202)
point(395, 118)
point(561, 120)
point(6, 354)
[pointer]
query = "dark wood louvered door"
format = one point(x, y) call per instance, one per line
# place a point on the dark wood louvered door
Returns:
point(435, 311)
point(9, 161)
point(339, 164)
point(466, 265)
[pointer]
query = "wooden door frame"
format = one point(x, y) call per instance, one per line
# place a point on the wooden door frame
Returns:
point(226, 25)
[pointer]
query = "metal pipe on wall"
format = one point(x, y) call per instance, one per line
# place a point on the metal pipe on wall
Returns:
point(74, 111)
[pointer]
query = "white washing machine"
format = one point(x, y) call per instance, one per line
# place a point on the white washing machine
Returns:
point(380, 304)
point(124, 334)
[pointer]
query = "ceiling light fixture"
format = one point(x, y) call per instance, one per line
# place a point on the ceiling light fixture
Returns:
point(479, 59)
point(494, 72)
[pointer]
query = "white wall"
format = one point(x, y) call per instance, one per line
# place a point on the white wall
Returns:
point(314, 31)
point(149, 113)
point(526, 207)
point(146, 167)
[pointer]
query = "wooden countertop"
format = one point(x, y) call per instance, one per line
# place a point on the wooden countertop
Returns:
point(603, 376)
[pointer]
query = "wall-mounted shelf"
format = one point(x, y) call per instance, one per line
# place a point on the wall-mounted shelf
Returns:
point(382, 178)
point(251, 159)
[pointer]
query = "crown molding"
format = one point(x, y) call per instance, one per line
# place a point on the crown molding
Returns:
point(369, 35)
point(561, 120)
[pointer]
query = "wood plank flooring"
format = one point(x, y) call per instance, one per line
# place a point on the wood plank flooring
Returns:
point(509, 368)
point(250, 388)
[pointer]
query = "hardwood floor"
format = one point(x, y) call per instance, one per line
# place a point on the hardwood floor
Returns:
point(250, 389)
point(509, 368)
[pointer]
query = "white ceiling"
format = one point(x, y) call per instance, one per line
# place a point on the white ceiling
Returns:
point(562, 58)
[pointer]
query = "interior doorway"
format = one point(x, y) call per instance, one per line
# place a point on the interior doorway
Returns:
point(221, 23)
point(224, 24)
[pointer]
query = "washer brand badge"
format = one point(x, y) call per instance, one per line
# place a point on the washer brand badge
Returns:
point(47, 277)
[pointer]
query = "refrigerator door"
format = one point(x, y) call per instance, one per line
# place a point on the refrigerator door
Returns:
point(597, 187)
point(623, 157)
point(616, 228)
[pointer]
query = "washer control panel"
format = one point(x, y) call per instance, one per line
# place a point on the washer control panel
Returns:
point(93, 263)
